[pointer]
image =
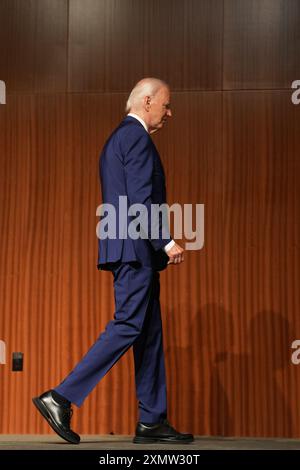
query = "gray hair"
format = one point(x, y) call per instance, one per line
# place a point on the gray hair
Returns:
point(145, 87)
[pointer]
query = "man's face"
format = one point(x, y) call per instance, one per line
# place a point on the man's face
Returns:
point(159, 109)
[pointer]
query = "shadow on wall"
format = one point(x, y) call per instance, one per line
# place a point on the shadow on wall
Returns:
point(224, 393)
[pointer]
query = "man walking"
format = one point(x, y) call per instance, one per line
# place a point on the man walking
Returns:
point(129, 166)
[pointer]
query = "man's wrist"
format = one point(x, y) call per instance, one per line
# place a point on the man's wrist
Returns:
point(169, 245)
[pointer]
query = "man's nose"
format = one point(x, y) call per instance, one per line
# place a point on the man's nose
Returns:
point(169, 113)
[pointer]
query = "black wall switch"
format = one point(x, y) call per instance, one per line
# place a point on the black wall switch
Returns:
point(17, 361)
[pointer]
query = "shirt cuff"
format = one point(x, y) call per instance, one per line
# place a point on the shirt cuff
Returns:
point(169, 245)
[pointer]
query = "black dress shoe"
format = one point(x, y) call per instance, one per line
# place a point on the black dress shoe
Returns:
point(58, 416)
point(160, 432)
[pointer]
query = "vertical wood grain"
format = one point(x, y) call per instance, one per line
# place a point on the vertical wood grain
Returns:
point(33, 45)
point(261, 261)
point(230, 312)
point(114, 43)
point(261, 44)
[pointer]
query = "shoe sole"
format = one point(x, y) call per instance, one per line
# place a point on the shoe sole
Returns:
point(44, 412)
point(163, 440)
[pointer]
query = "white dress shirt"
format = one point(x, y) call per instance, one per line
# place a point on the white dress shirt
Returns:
point(169, 245)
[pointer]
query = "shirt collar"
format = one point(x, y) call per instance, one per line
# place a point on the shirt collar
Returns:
point(139, 119)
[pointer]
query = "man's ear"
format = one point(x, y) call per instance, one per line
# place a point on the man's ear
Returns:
point(147, 102)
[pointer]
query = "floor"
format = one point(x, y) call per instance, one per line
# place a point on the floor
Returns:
point(90, 442)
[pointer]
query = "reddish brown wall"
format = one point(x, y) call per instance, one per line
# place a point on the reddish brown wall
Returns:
point(231, 311)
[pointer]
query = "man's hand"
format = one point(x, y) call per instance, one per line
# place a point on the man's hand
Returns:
point(175, 254)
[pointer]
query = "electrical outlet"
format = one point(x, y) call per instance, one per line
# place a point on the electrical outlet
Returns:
point(17, 361)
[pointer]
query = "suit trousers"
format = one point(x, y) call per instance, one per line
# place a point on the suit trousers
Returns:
point(137, 322)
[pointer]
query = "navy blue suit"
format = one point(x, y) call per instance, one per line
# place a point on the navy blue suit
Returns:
point(130, 166)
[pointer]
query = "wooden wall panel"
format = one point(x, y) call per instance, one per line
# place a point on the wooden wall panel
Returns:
point(261, 43)
point(33, 133)
point(63, 301)
point(258, 382)
point(230, 311)
point(33, 45)
point(114, 43)
point(191, 147)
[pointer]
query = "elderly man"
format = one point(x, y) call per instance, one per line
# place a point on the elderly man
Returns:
point(129, 166)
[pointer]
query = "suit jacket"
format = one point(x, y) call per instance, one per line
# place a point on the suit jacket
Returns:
point(130, 166)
